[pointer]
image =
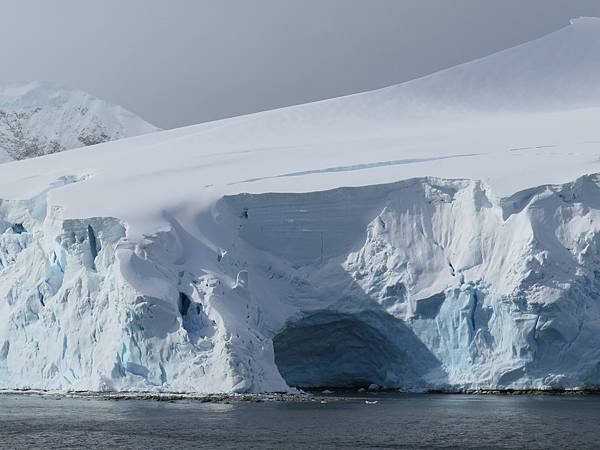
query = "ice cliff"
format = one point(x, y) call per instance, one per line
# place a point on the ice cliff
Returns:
point(442, 233)
point(39, 118)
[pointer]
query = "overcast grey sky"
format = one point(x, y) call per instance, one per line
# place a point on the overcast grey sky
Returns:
point(179, 62)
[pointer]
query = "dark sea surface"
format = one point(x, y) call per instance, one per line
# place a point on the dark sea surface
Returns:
point(395, 421)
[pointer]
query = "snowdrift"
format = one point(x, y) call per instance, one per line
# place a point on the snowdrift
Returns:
point(442, 233)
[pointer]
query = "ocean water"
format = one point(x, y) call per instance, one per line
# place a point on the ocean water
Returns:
point(395, 421)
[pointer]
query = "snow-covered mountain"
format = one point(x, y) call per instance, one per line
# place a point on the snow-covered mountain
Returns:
point(39, 118)
point(440, 233)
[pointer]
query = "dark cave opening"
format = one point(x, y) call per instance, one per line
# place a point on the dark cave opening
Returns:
point(336, 350)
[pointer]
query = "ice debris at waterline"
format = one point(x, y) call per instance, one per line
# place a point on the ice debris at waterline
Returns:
point(439, 234)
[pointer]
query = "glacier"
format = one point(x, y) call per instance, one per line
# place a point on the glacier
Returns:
point(438, 234)
point(39, 118)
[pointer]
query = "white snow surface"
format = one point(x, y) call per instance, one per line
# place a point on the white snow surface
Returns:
point(39, 118)
point(441, 233)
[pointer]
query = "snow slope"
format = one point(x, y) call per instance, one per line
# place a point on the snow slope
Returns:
point(38, 118)
point(443, 232)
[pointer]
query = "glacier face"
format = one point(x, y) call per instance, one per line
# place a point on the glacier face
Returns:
point(495, 295)
point(425, 283)
point(39, 118)
point(75, 318)
point(377, 238)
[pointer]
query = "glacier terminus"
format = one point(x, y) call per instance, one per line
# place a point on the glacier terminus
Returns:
point(442, 233)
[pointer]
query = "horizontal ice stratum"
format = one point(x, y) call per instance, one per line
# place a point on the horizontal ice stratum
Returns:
point(39, 118)
point(443, 233)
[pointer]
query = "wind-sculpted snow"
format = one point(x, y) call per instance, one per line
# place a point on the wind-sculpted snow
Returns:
point(39, 118)
point(418, 236)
